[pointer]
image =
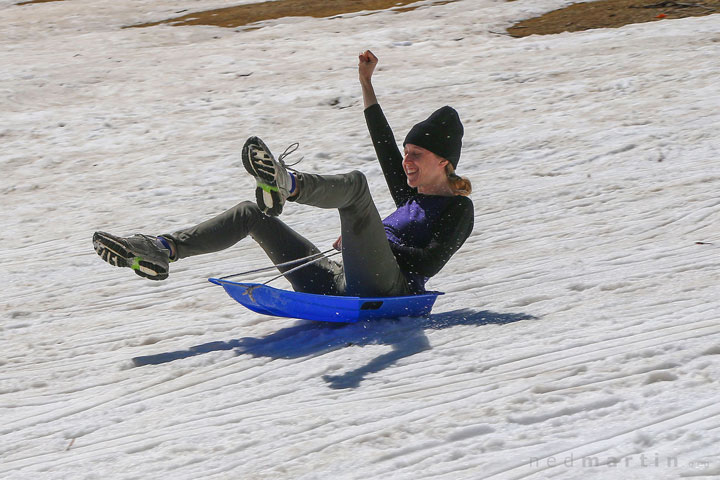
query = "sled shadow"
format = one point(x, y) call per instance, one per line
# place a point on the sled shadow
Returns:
point(405, 336)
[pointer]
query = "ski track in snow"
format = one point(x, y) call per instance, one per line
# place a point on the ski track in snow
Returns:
point(579, 336)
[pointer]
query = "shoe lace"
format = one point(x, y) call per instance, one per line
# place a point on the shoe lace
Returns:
point(288, 151)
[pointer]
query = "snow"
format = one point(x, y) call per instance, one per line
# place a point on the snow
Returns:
point(579, 337)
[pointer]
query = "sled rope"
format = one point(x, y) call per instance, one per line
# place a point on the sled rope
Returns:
point(308, 260)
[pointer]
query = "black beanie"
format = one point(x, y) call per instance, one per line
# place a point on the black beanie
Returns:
point(441, 133)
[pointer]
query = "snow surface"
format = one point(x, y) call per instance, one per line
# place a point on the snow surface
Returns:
point(579, 337)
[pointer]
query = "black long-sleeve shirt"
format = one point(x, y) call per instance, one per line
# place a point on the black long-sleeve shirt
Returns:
point(425, 230)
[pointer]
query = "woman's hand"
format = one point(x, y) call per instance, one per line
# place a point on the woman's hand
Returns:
point(338, 244)
point(366, 65)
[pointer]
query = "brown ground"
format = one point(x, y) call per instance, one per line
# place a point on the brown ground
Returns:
point(256, 12)
point(612, 13)
point(576, 17)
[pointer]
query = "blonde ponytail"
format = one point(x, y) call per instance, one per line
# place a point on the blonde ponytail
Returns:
point(459, 185)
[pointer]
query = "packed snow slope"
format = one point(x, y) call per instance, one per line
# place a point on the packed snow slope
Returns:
point(579, 337)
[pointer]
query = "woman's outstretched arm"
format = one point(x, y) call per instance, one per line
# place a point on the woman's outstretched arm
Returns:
point(387, 151)
point(366, 67)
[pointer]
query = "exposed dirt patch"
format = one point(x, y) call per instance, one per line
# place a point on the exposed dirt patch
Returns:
point(247, 14)
point(611, 13)
point(37, 1)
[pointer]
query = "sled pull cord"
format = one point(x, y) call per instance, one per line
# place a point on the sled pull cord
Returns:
point(308, 260)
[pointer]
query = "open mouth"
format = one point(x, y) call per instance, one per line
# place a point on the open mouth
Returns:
point(412, 177)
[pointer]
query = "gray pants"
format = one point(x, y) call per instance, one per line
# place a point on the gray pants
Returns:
point(369, 267)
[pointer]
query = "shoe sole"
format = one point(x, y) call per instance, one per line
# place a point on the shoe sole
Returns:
point(115, 251)
point(267, 195)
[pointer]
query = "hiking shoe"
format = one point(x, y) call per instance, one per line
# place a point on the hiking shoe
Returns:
point(143, 253)
point(273, 180)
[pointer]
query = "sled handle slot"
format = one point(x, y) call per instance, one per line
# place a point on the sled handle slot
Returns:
point(375, 305)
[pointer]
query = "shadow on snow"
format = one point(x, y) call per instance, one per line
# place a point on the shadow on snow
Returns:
point(405, 336)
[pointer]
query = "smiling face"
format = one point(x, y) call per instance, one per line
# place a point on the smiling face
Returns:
point(425, 171)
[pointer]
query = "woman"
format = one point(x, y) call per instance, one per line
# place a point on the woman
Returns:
point(389, 257)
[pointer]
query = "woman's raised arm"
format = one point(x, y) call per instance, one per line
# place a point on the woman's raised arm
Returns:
point(366, 67)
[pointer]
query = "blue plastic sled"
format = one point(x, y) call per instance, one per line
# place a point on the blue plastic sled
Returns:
point(325, 308)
